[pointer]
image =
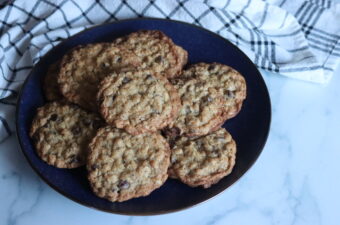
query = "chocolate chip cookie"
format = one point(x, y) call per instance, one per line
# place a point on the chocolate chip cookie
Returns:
point(138, 101)
point(203, 161)
point(51, 87)
point(122, 166)
point(225, 80)
point(156, 50)
point(61, 134)
point(201, 111)
point(84, 67)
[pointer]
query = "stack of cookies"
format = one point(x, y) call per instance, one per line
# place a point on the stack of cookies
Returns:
point(130, 113)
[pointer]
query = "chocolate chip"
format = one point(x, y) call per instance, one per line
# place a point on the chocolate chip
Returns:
point(126, 80)
point(158, 59)
point(211, 67)
point(119, 59)
point(54, 117)
point(124, 184)
point(230, 94)
point(74, 159)
point(171, 132)
point(94, 166)
point(149, 77)
point(113, 98)
point(87, 122)
point(75, 130)
point(105, 64)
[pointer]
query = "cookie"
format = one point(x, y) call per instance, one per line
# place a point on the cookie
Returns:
point(122, 166)
point(157, 51)
point(51, 87)
point(203, 161)
point(84, 67)
point(61, 134)
point(201, 111)
point(138, 101)
point(225, 80)
point(182, 60)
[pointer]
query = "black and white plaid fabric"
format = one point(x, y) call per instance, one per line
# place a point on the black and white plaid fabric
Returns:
point(296, 38)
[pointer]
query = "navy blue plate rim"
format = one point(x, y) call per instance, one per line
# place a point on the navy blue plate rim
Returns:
point(266, 128)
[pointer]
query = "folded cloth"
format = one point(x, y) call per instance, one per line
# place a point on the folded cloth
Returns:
point(298, 39)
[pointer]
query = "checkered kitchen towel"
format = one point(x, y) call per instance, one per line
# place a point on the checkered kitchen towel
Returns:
point(296, 38)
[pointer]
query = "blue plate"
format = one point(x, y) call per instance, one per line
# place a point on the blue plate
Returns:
point(249, 128)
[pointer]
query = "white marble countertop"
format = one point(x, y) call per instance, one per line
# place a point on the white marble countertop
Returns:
point(295, 180)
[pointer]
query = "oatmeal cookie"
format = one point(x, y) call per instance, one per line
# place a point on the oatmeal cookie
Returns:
point(83, 68)
point(122, 166)
point(156, 50)
point(225, 80)
point(201, 111)
point(61, 134)
point(203, 161)
point(138, 101)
